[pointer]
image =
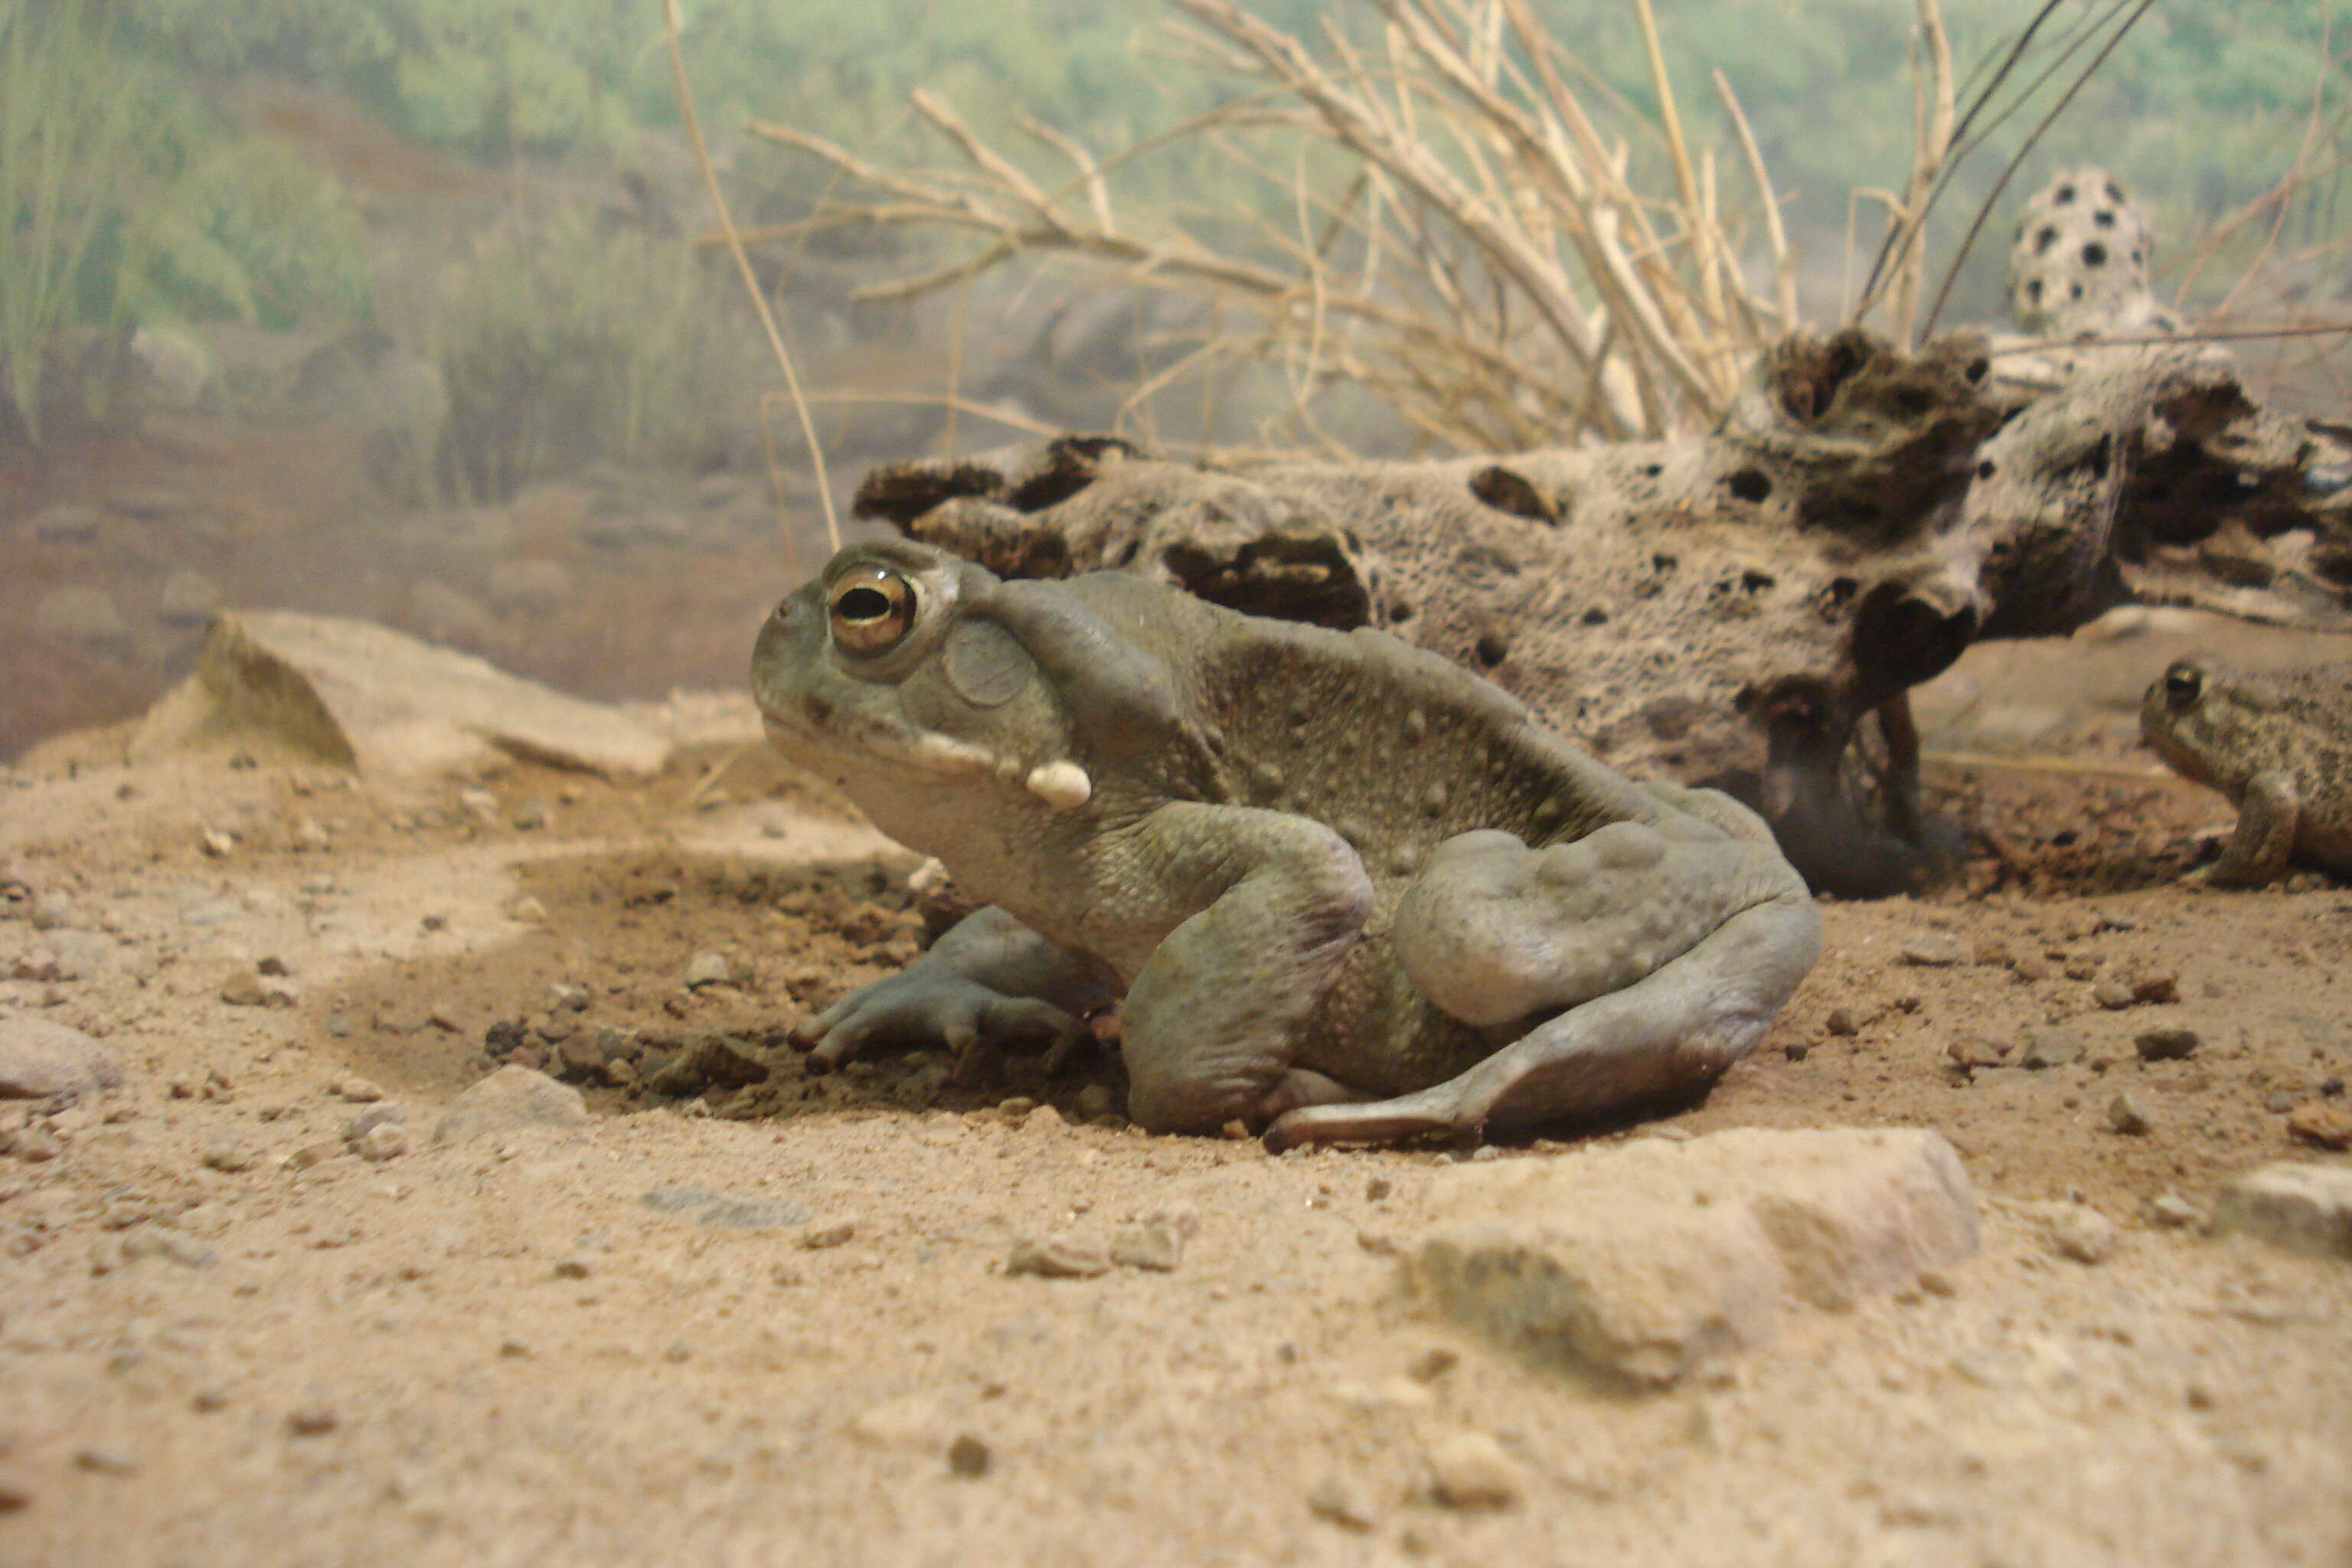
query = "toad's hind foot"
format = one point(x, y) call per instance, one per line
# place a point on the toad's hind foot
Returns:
point(1673, 1032)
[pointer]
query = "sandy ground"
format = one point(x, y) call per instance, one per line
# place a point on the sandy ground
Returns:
point(770, 1321)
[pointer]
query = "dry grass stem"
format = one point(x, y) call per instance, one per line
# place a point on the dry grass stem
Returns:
point(1463, 232)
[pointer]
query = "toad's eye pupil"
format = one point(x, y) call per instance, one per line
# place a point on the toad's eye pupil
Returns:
point(2181, 683)
point(863, 604)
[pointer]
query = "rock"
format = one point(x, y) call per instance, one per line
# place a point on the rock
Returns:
point(1934, 950)
point(1840, 1022)
point(1641, 1263)
point(573, 1267)
point(968, 1457)
point(100, 1459)
point(39, 1058)
point(708, 969)
point(825, 1238)
point(385, 1141)
point(912, 1421)
point(1334, 1501)
point(82, 615)
point(2300, 1206)
point(382, 1113)
point(1056, 1257)
point(35, 1146)
point(1155, 1244)
point(188, 599)
point(2159, 988)
point(1975, 1053)
point(2167, 1211)
point(2079, 1233)
point(509, 1101)
point(360, 695)
point(163, 1241)
point(243, 988)
point(1470, 1470)
point(357, 1090)
point(1045, 1118)
point(225, 1152)
point(2126, 1116)
point(312, 1418)
point(317, 1151)
point(2319, 1124)
point(2046, 1049)
point(2113, 994)
point(2167, 1043)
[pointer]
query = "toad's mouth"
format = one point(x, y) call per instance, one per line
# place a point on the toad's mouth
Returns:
point(814, 730)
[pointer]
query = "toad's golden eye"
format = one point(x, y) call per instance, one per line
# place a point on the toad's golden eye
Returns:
point(873, 607)
point(2182, 685)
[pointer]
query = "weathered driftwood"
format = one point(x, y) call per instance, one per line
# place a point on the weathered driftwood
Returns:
point(1728, 609)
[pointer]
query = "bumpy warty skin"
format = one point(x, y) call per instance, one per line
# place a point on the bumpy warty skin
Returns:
point(2279, 744)
point(1291, 848)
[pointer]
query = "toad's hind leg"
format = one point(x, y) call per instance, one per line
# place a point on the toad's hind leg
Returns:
point(1672, 1032)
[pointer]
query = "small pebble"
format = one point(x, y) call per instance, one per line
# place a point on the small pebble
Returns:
point(829, 1235)
point(573, 1269)
point(225, 1152)
point(708, 969)
point(385, 1140)
point(243, 989)
point(1045, 1118)
point(357, 1090)
point(2167, 1211)
point(313, 1419)
point(1056, 1257)
point(1154, 1245)
point(2126, 1116)
point(104, 1461)
point(2113, 994)
point(2160, 988)
point(1840, 1022)
point(1470, 1470)
point(2081, 1234)
point(2046, 1049)
point(2031, 966)
point(2319, 1124)
point(968, 1456)
point(2167, 1042)
point(1933, 949)
point(1334, 1501)
point(317, 1153)
point(35, 1145)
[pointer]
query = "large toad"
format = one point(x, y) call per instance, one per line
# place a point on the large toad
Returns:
point(1347, 890)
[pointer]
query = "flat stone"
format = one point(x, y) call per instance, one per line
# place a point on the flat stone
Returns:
point(2300, 1207)
point(1641, 1263)
point(2323, 1125)
point(1470, 1470)
point(2167, 1043)
point(1934, 950)
point(39, 1058)
point(509, 1101)
point(363, 696)
point(2046, 1049)
point(1056, 1257)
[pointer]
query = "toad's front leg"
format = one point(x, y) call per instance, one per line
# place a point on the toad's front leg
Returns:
point(1214, 1017)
